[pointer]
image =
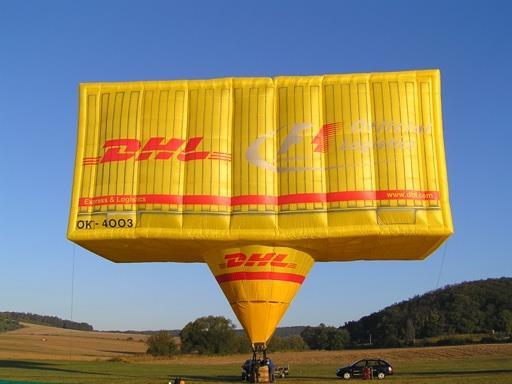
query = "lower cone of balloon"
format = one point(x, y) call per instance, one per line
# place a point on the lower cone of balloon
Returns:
point(259, 282)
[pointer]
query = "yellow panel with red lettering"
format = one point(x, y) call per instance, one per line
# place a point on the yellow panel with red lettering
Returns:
point(280, 160)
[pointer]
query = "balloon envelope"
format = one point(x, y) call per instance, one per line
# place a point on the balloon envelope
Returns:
point(260, 177)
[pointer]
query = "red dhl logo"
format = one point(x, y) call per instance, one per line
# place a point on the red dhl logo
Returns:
point(158, 148)
point(235, 260)
point(155, 148)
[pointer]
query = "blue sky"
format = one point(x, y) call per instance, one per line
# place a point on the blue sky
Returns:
point(48, 48)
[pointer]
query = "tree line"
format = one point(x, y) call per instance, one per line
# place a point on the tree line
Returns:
point(7, 324)
point(214, 335)
point(476, 307)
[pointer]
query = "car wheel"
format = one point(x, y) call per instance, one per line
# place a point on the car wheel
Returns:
point(346, 376)
point(380, 375)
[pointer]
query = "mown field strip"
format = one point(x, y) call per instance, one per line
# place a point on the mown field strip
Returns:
point(473, 370)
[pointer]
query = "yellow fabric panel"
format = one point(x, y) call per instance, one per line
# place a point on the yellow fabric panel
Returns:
point(259, 319)
point(259, 283)
point(298, 161)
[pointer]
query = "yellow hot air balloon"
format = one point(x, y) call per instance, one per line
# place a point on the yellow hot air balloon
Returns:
point(261, 177)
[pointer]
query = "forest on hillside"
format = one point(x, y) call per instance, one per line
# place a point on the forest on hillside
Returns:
point(483, 306)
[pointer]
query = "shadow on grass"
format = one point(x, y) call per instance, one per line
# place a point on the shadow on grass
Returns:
point(213, 379)
point(459, 372)
point(236, 379)
point(43, 367)
point(120, 352)
point(314, 378)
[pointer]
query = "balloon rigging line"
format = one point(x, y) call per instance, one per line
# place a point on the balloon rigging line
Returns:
point(72, 296)
point(72, 282)
point(442, 264)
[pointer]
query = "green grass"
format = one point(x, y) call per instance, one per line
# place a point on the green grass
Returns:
point(454, 371)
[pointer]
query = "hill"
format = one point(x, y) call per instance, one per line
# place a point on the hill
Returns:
point(281, 331)
point(482, 306)
point(34, 341)
point(289, 331)
point(52, 321)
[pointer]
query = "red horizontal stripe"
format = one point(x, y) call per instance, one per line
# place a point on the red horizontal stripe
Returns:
point(236, 276)
point(296, 198)
point(253, 199)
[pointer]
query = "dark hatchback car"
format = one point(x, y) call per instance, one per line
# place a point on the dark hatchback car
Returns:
point(379, 368)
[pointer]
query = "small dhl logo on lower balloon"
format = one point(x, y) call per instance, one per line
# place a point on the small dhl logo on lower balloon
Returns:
point(235, 260)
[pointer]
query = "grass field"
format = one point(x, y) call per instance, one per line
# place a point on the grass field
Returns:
point(100, 358)
point(41, 342)
point(448, 371)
